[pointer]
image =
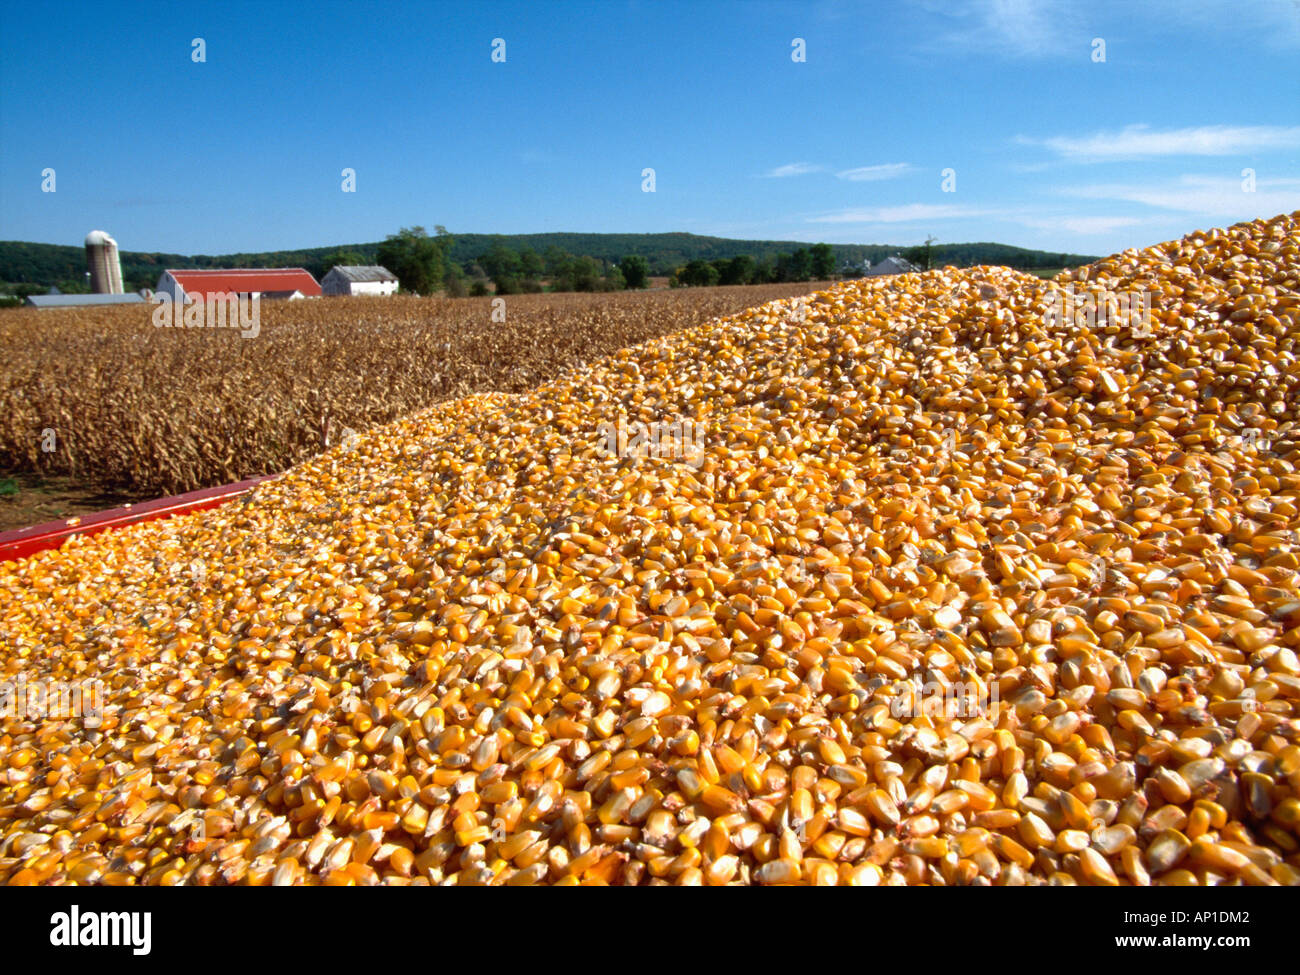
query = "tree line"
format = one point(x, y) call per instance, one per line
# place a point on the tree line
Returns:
point(423, 265)
point(488, 263)
point(816, 263)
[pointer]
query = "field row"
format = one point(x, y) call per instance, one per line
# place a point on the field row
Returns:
point(104, 396)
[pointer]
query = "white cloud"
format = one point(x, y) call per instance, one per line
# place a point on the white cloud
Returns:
point(872, 173)
point(1139, 141)
point(1036, 29)
point(792, 169)
point(1011, 28)
point(1273, 23)
point(903, 214)
point(1083, 226)
point(1211, 196)
point(1030, 28)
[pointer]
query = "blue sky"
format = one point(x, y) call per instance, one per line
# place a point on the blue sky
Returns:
point(245, 151)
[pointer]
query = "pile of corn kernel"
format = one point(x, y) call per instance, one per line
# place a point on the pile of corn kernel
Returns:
point(959, 590)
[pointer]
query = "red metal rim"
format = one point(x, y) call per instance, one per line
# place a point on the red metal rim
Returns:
point(22, 542)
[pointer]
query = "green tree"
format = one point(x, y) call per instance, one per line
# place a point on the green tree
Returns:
point(801, 265)
point(921, 255)
point(560, 271)
point(577, 274)
point(823, 262)
point(502, 266)
point(531, 264)
point(586, 274)
point(338, 258)
point(555, 260)
point(636, 271)
point(416, 258)
point(698, 273)
point(453, 281)
point(446, 242)
point(794, 267)
point(738, 270)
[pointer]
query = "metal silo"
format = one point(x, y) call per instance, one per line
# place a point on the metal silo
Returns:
point(104, 263)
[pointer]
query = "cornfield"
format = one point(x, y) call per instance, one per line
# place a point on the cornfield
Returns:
point(164, 410)
point(960, 590)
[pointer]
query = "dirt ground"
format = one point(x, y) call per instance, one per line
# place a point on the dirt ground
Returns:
point(28, 499)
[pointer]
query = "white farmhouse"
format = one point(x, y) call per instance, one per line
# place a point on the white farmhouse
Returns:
point(358, 280)
point(891, 265)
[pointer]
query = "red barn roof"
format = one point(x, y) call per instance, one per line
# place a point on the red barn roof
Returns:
point(239, 280)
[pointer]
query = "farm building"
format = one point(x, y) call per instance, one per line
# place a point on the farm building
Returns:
point(104, 262)
point(891, 265)
point(264, 282)
point(81, 301)
point(358, 280)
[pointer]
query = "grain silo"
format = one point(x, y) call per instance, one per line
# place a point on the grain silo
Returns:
point(105, 265)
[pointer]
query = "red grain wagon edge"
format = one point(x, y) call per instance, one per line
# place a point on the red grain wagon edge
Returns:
point(22, 542)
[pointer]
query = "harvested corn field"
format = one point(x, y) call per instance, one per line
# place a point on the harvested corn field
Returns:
point(962, 588)
point(161, 410)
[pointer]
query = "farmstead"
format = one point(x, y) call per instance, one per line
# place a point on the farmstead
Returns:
point(473, 646)
point(358, 280)
point(190, 285)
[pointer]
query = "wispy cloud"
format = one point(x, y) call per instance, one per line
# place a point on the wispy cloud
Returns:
point(1008, 28)
point(1272, 23)
point(905, 213)
point(1141, 141)
point(872, 173)
point(857, 174)
point(1038, 29)
point(1083, 226)
point(792, 169)
point(1211, 196)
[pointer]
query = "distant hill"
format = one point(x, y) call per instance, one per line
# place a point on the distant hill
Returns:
point(41, 265)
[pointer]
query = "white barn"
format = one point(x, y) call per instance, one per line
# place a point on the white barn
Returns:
point(891, 265)
point(358, 280)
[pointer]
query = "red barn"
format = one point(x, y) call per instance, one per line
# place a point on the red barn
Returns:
point(267, 282)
